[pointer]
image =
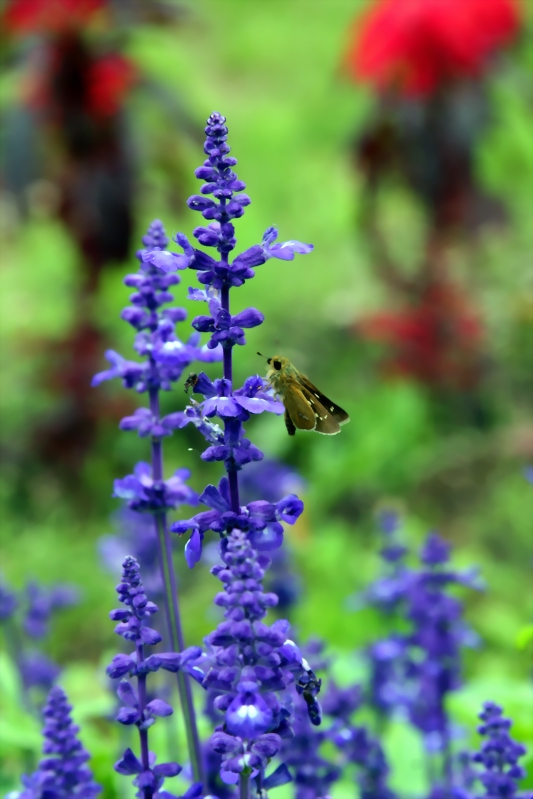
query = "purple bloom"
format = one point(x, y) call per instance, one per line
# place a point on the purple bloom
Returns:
point(41, 604)
point(254, 397)
point(362, 749)
point(249, 665)
point(260, 520)
point(37, 670)
point(414, 671)
point(220, 202)
point(8, 602)
point(135, 709)
point(149, 779)
point(226, 329)
point(146, 424)
point(145, 494)
point(286, 250)
point(28, 616)
point(499, 755)
point(62, 774)
point(313, 774)
point(165, 356)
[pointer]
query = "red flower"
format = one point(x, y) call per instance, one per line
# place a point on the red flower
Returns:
point(109, 80)
point(437, 341)
point(417, 45)
point(49, 16)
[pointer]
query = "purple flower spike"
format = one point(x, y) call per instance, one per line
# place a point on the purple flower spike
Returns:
point(248, 665)
point(136, 710)
point(499, 755)
point(62, 774)
point(226, 205)
point(165, 355)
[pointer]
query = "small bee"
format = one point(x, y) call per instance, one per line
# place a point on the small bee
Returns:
point(190, 382)
point(306, 408)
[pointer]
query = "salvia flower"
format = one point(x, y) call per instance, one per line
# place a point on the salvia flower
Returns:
point(365, 751)
point(62, 773)
point(146, 495)
point(41, 603)
point(313, 774)
point(165, 355)
point(220, 202)
point(498, 755)
point(261, 520)
point(250, 665)
point(163, 358)
point(27, 616)
point(135, 709)
point(414, 671)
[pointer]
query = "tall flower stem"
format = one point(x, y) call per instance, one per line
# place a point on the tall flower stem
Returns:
point(244, 786)
point(228, 375)
point(233, 480)
point(172, 612)
point(143, 734)
point(447, 757)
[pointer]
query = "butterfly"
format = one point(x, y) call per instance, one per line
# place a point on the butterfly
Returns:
point(306, 408)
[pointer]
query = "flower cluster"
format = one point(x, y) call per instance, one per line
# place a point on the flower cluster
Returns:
point(63, 773)
point(165, 356)
point(226, 204)
point(414, 671)
point(260, 519)
point(249, 665)
point(146, 495)
point(26, 617)
point(136, 710)
point(499, 754)
point(41, 603)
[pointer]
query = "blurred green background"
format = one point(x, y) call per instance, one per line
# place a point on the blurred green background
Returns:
point(273, 70)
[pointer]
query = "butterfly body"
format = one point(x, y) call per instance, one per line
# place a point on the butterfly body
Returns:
point(306, 408)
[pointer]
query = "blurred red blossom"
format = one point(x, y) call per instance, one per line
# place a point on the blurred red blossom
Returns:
point(49, 16)
point(416, 46)
point(110, 79)
point(436, 340)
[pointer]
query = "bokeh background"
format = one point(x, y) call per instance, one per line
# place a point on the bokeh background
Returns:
point(415, 311)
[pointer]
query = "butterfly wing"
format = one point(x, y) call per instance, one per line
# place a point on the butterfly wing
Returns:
point(338, 413)
point(325, 421)
point(298, 409)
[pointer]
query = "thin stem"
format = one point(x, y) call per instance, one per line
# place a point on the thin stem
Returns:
point(234, 491)
point(145, 755)
point(244, 786)
point(447, 766)
point(228, 375)
point(172, 611)
point(430, 770)
point(227, 351)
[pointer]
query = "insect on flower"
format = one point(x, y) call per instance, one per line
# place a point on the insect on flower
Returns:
point(190, 382)
point(306, 408)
